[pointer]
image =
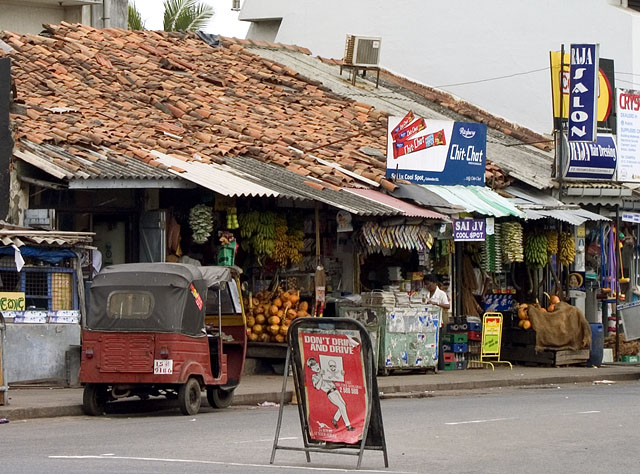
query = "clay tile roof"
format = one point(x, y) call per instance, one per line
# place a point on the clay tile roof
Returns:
point(133, 91)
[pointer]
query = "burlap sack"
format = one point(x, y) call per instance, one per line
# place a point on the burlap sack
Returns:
point(564, 328)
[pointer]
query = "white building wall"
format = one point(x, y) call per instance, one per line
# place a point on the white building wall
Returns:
point(443, 43)
point(25, 18)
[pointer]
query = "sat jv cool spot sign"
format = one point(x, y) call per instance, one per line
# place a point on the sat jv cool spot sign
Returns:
point(469, 230)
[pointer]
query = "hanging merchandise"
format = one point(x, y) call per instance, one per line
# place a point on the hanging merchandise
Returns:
point(288, 243)
point(492, 252)
point(258, 230)
point(201, 222)
point(512, 242)
point(567, 249)
point(232, 218)
point(376, 238)
point(552, 242)
point(535, 250)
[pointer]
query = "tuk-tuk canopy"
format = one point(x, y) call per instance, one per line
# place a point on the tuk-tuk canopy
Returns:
point(163, 297)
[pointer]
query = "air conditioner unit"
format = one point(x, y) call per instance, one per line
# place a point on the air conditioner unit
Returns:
point(362, 50)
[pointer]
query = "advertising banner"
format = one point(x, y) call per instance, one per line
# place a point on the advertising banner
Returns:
point(469, 230)
point(583, 93)
point(628, 124)
point(435, 151)
point(591, 161)
point(606, 91)
point(491, 334)
point(11, 301)
point(334, 384)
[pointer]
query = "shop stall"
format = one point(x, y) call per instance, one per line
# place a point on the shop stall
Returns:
point(42, 302)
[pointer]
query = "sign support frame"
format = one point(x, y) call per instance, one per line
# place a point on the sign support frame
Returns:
point(373, 437)
point(495, 354)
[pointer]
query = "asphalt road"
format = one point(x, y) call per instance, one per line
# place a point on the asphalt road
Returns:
point(552, 429)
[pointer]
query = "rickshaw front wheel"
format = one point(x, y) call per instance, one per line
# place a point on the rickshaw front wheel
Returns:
point(190, 397)
point(94, 399)
point(219, 397)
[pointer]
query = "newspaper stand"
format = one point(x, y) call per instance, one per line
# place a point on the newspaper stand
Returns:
point(492, 340)
point(332, 362)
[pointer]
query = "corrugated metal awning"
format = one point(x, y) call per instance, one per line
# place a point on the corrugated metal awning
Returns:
point(408, 209)
point(476, 199)
point(249, 177)
point(537, 205)
point(19, 236)
point(304, 187)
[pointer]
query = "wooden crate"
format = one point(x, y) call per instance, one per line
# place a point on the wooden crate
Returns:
point(527, 354)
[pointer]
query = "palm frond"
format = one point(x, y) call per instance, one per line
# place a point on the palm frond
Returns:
point(174, 10)
point(201, 14)
point(135, 18)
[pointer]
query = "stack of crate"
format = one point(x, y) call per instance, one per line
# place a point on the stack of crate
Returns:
point(454, 348)
point(474, 341)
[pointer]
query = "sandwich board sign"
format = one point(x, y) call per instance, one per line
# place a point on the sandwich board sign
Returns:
point(492, 339)
point(332, 361)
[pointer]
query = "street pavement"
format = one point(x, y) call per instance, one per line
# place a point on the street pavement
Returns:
point(26, 403)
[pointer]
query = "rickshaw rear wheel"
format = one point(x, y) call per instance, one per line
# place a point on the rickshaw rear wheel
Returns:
point(94, 399)
point(190, 397)
point(219, 397)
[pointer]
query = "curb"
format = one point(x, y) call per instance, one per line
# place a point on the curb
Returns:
point(386, 392)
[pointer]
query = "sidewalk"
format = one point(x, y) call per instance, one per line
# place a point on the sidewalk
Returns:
point(25, 403)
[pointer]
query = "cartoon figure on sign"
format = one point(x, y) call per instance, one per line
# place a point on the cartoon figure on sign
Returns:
point(322, 382)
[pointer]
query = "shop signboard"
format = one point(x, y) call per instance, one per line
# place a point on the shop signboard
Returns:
point(335, 384)
point(628, 126)
point(606, 91)
point(11, 301)
point(469, 230)
point(583, 93)
point(591, 161)
point(435, 151)
point(633, 217)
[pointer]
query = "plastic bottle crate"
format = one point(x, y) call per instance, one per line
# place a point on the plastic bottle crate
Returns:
point(450, 366)
point(459, 338)
point(474, 335)
point(447, 338)
point(449, 357)
point(460, 348)
point(474, 327)
point(447, 347)
point(461, 365)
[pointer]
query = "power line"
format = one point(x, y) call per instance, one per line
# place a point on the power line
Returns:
point(494, 78)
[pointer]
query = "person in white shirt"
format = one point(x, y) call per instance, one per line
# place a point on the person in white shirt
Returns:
point(434, 295)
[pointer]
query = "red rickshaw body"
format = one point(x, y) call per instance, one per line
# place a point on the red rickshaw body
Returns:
point(163, 329)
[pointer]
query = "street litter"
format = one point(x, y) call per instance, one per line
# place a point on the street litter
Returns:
point(3, 421)
point(603, 382)
point(268, 404)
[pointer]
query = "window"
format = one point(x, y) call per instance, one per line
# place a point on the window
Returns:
point(228, 302)
point(45, 288)
point(130, 305)
point(634, 4)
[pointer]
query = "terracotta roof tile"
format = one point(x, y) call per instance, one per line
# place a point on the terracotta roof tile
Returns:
point(171, 92)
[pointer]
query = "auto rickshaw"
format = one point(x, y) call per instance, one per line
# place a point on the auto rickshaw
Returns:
point(169, 329)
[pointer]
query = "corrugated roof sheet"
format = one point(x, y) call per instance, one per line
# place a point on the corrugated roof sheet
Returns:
point(217, 177)
point(476, 199)
point(84, 163)
point(19, 236)
point(293, 185)
point(408, 209)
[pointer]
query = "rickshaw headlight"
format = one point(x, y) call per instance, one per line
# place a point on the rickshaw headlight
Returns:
point(164, 353)
point(88, 353)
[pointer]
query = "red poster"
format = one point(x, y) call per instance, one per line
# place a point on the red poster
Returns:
point(334, 384)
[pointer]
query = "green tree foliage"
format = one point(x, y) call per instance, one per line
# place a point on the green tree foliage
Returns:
point(186, 15)
point(135, 19)
point(179, 15)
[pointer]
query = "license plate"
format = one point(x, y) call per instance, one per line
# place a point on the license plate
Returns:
point(163, 366)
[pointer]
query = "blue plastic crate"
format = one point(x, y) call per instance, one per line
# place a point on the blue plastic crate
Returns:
point(474, 327)
point(460, 348)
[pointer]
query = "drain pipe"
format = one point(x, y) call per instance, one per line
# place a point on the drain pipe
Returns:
point(106, 13)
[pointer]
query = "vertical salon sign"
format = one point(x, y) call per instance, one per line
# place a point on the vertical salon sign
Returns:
point(334, 379)
point(583, 93)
